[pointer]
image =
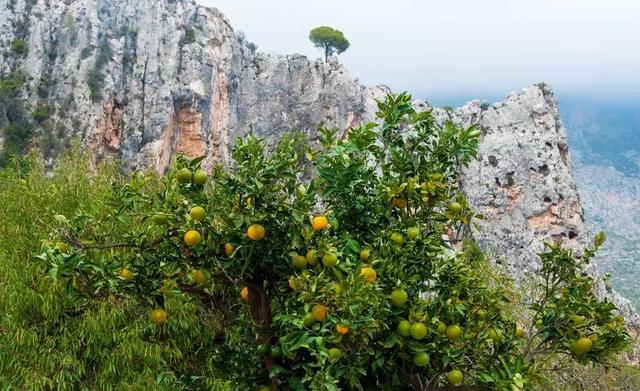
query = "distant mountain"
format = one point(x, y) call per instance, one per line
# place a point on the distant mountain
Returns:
point(605, 151)
point(603, 132)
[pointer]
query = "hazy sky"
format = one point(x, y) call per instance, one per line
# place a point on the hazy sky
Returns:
point(444, 48)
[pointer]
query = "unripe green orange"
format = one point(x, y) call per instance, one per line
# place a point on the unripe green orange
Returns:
point(200, 177)
point(399, 297)
point(453, 332)
point(185, 176)
point(418, 331)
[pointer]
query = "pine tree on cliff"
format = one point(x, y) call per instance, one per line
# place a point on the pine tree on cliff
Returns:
point(329, 39)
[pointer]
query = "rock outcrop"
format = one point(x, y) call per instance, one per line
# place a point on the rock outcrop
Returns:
point(144, 79)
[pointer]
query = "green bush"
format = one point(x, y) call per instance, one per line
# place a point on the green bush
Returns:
point(19, 47)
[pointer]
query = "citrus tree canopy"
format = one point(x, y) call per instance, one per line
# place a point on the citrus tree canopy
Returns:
point(329, 39)
point(261, 276)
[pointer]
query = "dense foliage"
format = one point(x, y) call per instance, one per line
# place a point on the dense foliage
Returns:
point(329, 40)
point(257, 275)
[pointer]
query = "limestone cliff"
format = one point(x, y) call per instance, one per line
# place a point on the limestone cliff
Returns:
point(144, 79)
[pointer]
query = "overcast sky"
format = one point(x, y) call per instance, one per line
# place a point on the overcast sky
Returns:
point(448, 48)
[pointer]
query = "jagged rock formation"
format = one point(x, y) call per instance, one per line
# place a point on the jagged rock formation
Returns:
point(144, 79)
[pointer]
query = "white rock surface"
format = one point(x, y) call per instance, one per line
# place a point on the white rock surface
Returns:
point(179, 79)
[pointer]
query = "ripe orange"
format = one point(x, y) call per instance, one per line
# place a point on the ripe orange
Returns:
point(399, 297)
point(158, 316)
point(197, 213)
point(311, 257)
point(299, 262)
point(319, 313)
point(245, 294)
point(198, 276)
point(364, 255)
point(421, 359)
point(228, 249)
point(455, 377)
point(192, 237)
point(329, 259)
point(581, 346)
point(200, 177)
point(368, 273)
point(319, 223)
point(342, 329)
point(126, 274)
point(255, 232)
point(184, 176)
point(418, 331)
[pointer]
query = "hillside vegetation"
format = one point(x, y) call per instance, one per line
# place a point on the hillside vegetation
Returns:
point(251, 278)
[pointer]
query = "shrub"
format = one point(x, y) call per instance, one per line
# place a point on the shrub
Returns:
point(19, 47)
point(354, 279)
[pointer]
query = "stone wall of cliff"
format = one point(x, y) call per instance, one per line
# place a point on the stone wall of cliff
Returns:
point(144, 79)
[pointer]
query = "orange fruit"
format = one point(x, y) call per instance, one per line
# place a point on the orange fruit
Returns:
point(312, 258)
point(421, 359)
point(200, 177)
point(255, 232)
point(192, 237)
point(160, 219)
point(245, 294)
point(397, 238)
point(520, 333)
point(184, 176)
point(364, 255)
point(334, 354)
point(453, 332)
point(404, 328)
point(418, 331)
point(319, 313)
point(294, 283)
point(413, 232)
point(197, 213)
point(455, 377)
point(495, 335)
point(198, 276)
point(399, 203)
point(454, 207)
point(399, 297)
point(299, 262)
point(228, 249)
point(319, 223)
point(329, 259)
point(581, 346)
point(62, 247)
point(126, 274)
point(158, 316)
point(368, 273)
point(342, 329)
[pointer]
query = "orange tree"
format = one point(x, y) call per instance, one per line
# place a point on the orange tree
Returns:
point(338, 266)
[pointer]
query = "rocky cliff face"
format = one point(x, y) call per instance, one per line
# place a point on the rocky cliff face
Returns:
point(144, 79)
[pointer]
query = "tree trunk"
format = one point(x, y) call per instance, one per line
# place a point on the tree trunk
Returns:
point(260, 309)
point(327, 50)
